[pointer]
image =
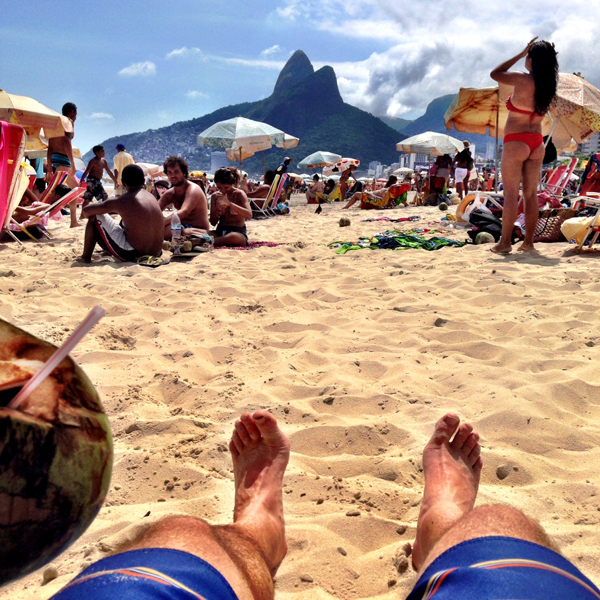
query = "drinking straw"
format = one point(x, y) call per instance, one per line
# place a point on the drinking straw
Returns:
point(82, 329)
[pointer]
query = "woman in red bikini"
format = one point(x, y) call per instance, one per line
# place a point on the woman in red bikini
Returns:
point(523, 144)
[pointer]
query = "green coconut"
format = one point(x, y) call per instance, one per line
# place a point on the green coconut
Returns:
point(55, 455)
point(483, 237)
point(344, 222)
point(443, 206)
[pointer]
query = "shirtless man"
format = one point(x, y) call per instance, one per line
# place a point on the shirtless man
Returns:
point(262, 191)
point(229, 210)
point(141, 230)
point(60, 155)
point(187, 198)
point(315, 188)
point(93, 173)
point(185, 557)
point(461, 170)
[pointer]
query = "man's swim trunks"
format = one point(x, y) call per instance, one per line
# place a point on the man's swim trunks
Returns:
point(95, 189)
point(498, 568)
point(60, 160)
point(149, 574)
point(112, 238)
point(225, 229)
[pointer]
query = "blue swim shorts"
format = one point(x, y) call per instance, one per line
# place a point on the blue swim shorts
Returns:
point(149, 574)
point(497, 568)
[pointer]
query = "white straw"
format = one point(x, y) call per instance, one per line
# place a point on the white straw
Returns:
point(93, 317)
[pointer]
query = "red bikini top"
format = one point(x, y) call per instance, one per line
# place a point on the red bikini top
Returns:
point(512, 108)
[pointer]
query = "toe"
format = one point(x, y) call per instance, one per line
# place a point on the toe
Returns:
point(470, 444)
point(464, 431)
point(242, 431)
point(444, 429)
point(236, 444)
point(267, 425)
point(250, 426)
point(474, 456)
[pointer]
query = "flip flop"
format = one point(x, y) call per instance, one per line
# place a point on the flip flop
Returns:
point(152, 261)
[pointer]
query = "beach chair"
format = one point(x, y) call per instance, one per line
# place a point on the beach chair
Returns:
point(390, 200)
point(57, 179)
point(39, 219)
point(556, 184)
point(590, 180)
point(12, 150)
point(592, 200)
point(270, 202)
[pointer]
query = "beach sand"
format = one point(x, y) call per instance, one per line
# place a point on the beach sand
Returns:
point(357, 356)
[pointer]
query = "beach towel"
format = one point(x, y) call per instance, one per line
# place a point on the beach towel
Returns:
point(390, 220)
point(395, 240)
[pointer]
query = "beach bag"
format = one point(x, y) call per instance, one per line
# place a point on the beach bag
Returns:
point(484, 221)
point(478, 203)
point(548, 228)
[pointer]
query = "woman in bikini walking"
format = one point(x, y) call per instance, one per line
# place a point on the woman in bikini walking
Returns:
point(523, 143)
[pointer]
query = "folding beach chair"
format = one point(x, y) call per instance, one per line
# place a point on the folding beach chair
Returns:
point(559, 180)
point(592, 200)
point(12, 149)
point(390, 200)
point(50, 211)
point(270, 202)
point(57, 179)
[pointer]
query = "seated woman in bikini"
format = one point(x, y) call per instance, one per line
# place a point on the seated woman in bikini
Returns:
point(393, 180)
point(523, 143)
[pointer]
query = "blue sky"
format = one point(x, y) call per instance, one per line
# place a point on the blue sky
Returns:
point(132, 66)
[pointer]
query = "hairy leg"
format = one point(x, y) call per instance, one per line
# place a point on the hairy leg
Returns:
point(452, 467)
point(248, 552)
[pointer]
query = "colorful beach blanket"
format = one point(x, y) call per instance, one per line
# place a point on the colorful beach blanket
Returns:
point(395, 240)
point(253, 245)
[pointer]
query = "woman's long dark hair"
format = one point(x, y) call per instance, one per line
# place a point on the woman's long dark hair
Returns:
point(391, 181)
point(544, 70)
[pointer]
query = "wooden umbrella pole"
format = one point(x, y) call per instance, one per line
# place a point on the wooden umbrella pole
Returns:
point(264, 170)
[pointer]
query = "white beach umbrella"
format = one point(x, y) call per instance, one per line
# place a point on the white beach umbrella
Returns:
point(319, 159)
point(431, 143)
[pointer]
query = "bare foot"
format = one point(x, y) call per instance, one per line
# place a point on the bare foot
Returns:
point(260, 454)
point(452, 471)
point(76, 224)
point(501, 249)
point(526, 248)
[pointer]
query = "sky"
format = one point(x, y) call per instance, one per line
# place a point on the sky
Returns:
point(131, 66)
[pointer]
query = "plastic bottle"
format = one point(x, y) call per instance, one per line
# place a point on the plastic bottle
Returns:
point(176, 228)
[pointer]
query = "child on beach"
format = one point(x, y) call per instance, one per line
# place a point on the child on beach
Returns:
point(94, 172)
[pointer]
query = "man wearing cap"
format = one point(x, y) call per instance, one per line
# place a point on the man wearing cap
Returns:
point(120, 161)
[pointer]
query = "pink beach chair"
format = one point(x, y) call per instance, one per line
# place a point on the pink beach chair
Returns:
point(12, 149)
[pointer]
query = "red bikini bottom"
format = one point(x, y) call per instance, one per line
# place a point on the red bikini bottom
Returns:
point(533, 140)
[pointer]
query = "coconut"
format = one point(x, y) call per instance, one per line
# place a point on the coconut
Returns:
point(55, 455)
point(344, 222)
point(483, 237)
point(443, 206)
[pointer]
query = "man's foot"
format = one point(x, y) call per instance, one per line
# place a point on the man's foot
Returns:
point(83, 259)
point(500, 248)
point(452, 471)
point(76, 224)
point(260, 454)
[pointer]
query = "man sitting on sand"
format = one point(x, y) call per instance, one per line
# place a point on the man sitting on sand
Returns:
point(141, 230)
point(93, 173)
point(184, 557)
point(187, 198)
point(315, 188)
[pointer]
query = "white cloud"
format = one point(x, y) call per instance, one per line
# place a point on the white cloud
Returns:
point(141, 69)
point(270, 51)
point(101, 115)
point(195, 95)
point(183, 52)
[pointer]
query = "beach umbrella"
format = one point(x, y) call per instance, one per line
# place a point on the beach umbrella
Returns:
point(243, 137)
point(319, 159)
point(150, 168)
point(341, 165)
point(289, 142)
point(430, 143)
point(33, 116)
point(403, 171)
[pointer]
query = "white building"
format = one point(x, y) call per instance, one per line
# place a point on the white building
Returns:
point(591, 145)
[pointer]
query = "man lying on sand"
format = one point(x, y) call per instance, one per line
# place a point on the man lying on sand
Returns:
point(187, 198)
point(141, 230)
point(489, 552)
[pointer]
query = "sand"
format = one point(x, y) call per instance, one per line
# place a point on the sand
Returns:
point(357, 356)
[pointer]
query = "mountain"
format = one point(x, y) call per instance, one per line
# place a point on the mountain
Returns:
point(433, 120)
point(305, 103)
point(396, 123)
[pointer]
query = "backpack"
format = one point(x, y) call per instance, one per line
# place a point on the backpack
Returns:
point(484, 221)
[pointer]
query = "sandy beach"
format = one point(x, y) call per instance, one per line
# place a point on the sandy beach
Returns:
point(357, 356)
